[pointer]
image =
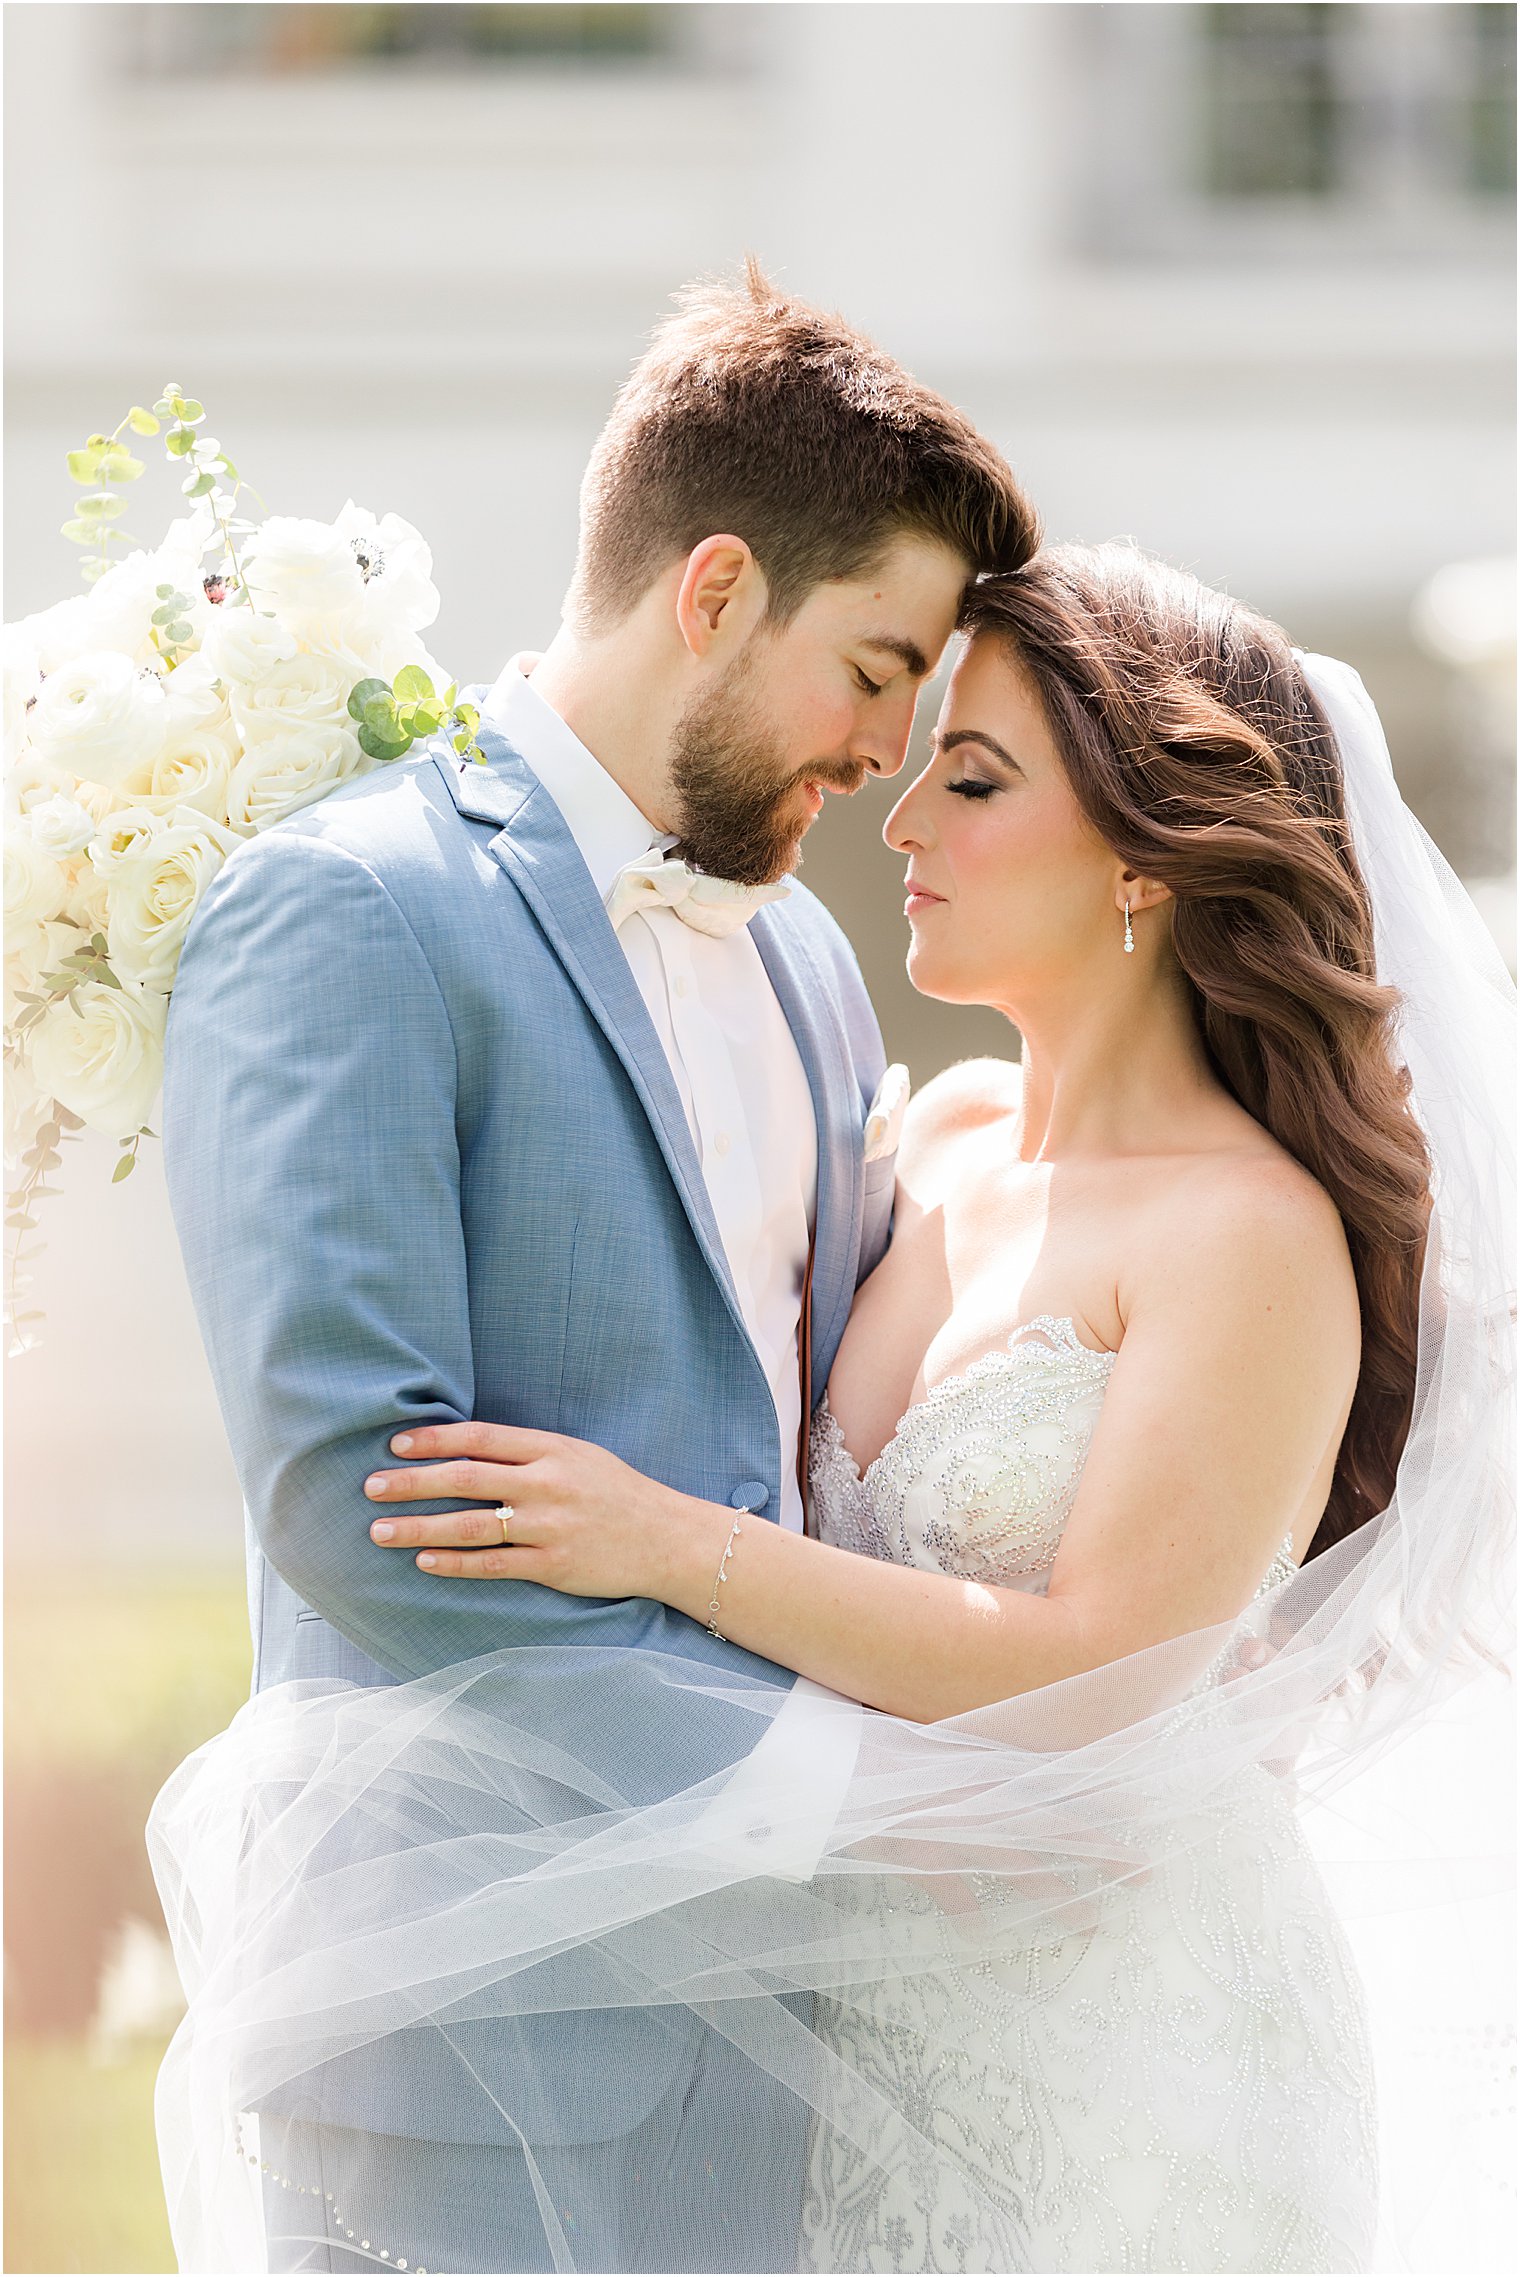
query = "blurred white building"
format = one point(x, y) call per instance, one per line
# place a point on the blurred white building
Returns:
point(1235, 280)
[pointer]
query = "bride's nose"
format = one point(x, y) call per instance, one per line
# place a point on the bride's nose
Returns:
point(907, 829)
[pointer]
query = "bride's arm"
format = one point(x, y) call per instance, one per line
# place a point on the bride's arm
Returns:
point(1226, 1400)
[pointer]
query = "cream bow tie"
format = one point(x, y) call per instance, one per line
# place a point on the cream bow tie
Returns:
point(715, 906)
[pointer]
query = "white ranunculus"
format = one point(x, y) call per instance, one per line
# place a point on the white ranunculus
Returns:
point(152, 892)
point(396, 564)
point(309, 690)
point(21, 674)
point(304, 571)
point(242, 645)
point(101, 718)
point(281, 773)
point(194, 698)
point(36, 885)
point(61, 826)
point(192, 772)
point(102, 1056)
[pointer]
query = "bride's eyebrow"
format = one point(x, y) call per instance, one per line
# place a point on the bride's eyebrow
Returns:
point(959, 735)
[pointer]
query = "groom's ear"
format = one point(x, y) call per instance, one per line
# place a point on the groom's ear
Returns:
point(722, 596)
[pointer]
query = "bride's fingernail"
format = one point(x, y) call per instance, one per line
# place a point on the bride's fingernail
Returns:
point(380, 1532)
point(427, 1558)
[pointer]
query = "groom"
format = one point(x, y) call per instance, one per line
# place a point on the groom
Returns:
point(532, 1093)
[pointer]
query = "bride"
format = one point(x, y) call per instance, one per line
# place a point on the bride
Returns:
point(1158, 1482)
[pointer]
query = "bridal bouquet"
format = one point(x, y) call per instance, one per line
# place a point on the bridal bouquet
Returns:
point(192, 696)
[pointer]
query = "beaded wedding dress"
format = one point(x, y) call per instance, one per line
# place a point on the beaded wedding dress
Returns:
point(1173, 2073)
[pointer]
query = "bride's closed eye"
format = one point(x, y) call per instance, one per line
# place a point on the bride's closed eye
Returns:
point(972, 787)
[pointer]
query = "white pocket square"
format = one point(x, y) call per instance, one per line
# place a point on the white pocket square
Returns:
point(885, 1118)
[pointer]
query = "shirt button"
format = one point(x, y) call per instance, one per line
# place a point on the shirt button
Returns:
point(749, 1494)
point(679, 984)
point(720, 1142)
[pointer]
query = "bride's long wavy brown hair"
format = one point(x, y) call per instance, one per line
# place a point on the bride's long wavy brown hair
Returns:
point(1198, 752)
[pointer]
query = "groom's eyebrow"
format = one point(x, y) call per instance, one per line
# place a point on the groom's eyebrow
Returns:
point(959, 735)
point(906, 651)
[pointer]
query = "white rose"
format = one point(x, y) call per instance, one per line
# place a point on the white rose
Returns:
point(310, 690)
point(241, 645)
point(193, 772)
point(35, 885)
point(102, 1056)
point(100, 718)
point(280, 773)
point(396, 565)
point(304, 571)
point(61, 826)
point(152, 892)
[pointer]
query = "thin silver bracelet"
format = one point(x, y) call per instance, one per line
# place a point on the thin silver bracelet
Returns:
point(721, 1576)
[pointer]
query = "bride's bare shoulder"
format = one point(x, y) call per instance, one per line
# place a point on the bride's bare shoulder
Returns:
point(966, 1097)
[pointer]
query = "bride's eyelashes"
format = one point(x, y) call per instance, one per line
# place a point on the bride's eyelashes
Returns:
point(972, 787)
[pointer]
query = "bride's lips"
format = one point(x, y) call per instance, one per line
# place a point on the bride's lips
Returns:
point(920, 899)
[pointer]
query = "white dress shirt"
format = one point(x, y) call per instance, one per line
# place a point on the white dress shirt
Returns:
point(731, 1052)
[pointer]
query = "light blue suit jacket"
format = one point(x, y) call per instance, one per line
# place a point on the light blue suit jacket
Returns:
point(428, 1161)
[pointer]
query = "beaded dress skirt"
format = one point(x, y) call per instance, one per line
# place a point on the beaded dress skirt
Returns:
point(1176, 2076)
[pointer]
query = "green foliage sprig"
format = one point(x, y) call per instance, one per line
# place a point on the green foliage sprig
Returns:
point(38, 1163)
point(392, 718)
point(104, 464)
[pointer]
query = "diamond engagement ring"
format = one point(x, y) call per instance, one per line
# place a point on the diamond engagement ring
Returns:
point(504, 1512)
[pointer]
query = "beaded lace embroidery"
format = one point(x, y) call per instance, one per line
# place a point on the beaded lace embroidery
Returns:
point(1174, 2078)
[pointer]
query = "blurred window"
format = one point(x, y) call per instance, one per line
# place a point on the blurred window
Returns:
point(1337, 125)
point(293, 37)
point(1268, 124)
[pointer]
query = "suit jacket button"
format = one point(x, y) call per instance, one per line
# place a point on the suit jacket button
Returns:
point(749, 1494)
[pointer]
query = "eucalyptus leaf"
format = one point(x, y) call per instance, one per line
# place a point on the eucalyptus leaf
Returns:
point(166, 592)
point(180, 633)
point(81, 533)
point(412, 682)
point(101, 505)
point(118, 465)
point(379, 713)
point(142, 422)
point(179, 442)
point(381, 748)
point(167, 615)
point(361, 693)
point(124, 1169)
point(189, 409)
point(90, 570)
point(84, 466)
point(198, 485)
point(426, 719)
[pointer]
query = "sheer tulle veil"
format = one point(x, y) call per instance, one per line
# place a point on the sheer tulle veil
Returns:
point(507, 1874)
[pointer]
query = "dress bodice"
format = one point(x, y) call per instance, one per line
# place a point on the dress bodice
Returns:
point(979, 1478)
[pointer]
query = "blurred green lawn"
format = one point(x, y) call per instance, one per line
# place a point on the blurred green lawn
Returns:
point(111, 1678)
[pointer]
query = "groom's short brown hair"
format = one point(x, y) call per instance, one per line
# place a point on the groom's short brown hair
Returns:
point(759, 415)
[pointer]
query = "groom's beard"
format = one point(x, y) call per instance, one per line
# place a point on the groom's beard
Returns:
point(740, 810)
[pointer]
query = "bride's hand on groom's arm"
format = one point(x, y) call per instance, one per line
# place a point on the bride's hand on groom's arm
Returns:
point(582, 1521)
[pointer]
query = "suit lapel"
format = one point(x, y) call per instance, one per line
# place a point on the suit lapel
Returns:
point(535, 848)
point(813, 1017)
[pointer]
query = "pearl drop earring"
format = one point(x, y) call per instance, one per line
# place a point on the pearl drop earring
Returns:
point(1129, 933)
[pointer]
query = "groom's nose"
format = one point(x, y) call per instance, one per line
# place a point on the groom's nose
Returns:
point(882, 746)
